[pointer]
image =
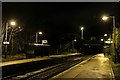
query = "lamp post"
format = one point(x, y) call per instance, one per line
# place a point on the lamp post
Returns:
point(114, 34)
point(12, 23)
point(113, 18)
point(82, 28)
point(6, 40)
point(37, 36)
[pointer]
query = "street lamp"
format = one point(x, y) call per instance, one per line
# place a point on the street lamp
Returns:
point(13, 23)
point(105, 18)
point(82, 28)
point(114, 28)
point(113, 18)
point(40, 32)
point(5, 42)
point(37, 36)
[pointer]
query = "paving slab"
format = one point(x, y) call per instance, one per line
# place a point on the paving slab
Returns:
point(97, 67)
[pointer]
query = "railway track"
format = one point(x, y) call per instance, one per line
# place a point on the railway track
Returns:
point(46, 73)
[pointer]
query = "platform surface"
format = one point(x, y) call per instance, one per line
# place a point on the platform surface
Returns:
point(7, 63)
point(97, 68)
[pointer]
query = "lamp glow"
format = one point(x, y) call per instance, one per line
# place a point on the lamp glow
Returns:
point(82, 28)
point(105, 18)
point(40, 32)
point(12, 23)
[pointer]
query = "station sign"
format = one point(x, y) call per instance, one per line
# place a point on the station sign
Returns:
point(44, 41)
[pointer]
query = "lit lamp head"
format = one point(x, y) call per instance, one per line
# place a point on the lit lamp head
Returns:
point(82, 28)
point(75, 40)
point(40, 32)
point(12, 23)
point(105, 18)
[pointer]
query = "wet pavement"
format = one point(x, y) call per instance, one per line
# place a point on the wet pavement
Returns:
point(98, 67)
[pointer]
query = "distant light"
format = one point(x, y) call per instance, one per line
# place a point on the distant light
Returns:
point(92, 38)
point(6, 43)
point(19, 27)
point(108, 42)
point(105, 34)
point(109, 39)
point(102, 55)
point(82, 28)
point(12, 23)
point(105, 18)
point(101, 39)
point(105, 46)
point(37, 44)
point(75, 40)
point(40, 32)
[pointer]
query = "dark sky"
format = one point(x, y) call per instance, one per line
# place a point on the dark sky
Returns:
point(59, 18)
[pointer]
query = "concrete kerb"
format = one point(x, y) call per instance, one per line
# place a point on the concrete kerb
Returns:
point(112, 73)
point(83, 62)
point(111, 63)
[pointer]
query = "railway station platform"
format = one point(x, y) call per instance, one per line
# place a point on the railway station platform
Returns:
point(96, 68)
point(7, 63)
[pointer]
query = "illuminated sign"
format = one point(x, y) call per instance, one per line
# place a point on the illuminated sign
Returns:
point(44, 41)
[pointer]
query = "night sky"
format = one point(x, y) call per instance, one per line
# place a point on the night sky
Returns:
point(59, 18)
